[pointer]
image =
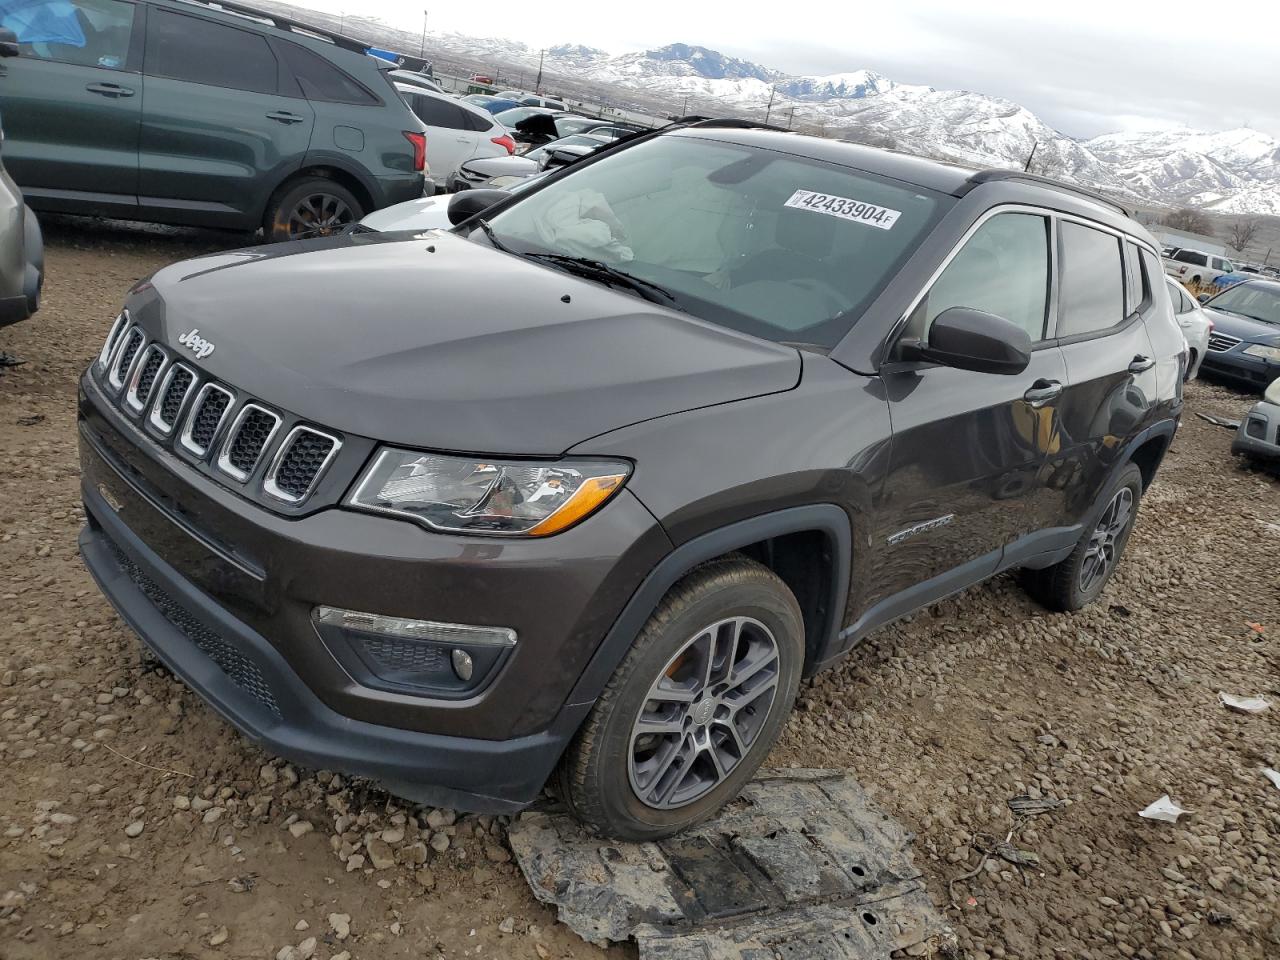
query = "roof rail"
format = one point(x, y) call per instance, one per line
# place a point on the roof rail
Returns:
point(285, 23)
point(989, 176)
point(734, 123)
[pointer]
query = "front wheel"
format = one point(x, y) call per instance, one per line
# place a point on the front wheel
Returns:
point(311, 207)
point(1078, 580)
point(694, 708)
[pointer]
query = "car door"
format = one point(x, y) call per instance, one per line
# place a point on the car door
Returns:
point(1112, 366)
point(970, 450)
point(450, 139)
point(217, 135)
point(72, 103)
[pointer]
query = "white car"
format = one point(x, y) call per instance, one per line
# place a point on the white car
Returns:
point(1197, 267)
point(432, 213)
point(456, 131)
point(1195, 323)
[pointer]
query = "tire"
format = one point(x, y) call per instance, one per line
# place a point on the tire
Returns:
point(604, 773)
point(1075, 582)
point(310, 200)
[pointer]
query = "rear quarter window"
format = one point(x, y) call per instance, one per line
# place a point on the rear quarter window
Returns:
point(320, 80)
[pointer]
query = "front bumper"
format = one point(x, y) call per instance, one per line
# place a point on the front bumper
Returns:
point(223, 590)
point(1259, 432)
point(1237, 366)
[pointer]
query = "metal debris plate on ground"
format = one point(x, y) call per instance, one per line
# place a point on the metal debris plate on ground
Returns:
point(801, 865)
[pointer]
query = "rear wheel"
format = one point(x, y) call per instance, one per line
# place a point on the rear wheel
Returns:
point(1079, 579)
point(310, 207)
point(693, 709)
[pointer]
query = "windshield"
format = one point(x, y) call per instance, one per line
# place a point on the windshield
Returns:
point(1259, 301)
point(778, 246)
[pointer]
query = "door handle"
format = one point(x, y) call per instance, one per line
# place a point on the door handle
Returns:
point(284, 116)
point(1042, 391)
point(1141, 364)
point(109, 90)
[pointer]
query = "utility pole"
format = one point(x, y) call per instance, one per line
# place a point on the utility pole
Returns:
point(537, 84)
point(769, 108)
point(422, 47)
point(1027, 166)
point(685, 111)
point(342, 23)
point(790, 117)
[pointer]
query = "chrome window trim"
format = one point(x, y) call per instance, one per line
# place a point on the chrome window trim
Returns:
point(118, 327)
point(224, 454)
point(269, 481)
point(185, 438)
point(114, 381)
point(157, 401)
point(131, 403)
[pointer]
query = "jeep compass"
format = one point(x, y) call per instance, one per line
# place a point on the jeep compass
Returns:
point(579, 492)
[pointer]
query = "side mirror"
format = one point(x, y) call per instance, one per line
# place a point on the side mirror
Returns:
point(559, 158)
point(1204, 297)
point(8, 43)
point(468, 203)
point(974, 340)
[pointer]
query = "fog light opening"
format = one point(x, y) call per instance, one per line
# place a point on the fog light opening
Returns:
point(463, 665)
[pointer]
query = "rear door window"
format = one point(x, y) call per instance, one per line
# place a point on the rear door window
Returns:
point(1091, 287)
point(1190, 256)
point(1002, 269)
point(201, 51)
point(89, 33)
point(320, 80)
point(437, 112)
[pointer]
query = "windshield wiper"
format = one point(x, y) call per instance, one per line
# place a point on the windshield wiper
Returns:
point(483, 224)
point(599, 270)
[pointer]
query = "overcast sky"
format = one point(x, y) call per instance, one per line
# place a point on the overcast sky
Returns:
point(1087, 67)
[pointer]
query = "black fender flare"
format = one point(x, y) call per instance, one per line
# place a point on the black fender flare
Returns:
point(826, 518)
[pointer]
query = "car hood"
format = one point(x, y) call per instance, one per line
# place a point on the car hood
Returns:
point(425, 213)
point(436, 341)
point(502, 166)
point(1234, 325)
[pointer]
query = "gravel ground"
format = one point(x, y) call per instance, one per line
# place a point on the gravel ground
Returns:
point(135, 824)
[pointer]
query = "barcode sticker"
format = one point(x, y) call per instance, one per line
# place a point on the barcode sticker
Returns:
point(844, 208)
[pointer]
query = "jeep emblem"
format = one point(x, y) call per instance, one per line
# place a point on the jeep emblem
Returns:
point(196, 343)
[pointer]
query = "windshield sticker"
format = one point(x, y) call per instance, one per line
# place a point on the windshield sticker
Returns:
point(844, 208)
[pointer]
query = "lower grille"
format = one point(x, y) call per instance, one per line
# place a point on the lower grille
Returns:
point(1218, 342)
point(239, 669)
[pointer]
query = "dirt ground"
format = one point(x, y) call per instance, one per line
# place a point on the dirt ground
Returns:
point(135, 824)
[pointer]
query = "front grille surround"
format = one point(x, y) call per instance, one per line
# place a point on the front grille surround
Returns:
point(273, 483)
point(171, 398)
point(210, 395)
point(147, 372)
point(231, 456)
point(123, 357)
point(1221, 342)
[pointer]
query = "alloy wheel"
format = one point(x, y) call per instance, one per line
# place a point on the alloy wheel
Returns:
point(1104, 543)
point(703, 713)
point(318, 215)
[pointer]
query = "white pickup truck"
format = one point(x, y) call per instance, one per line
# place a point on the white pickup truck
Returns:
point(1196, 267)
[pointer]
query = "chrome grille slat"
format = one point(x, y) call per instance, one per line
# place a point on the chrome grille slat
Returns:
point(301, 461)
point(247, 439)
point(208, 412)
point(171, 397)
point(122, 359)
point(151, 363)
point(113, 337)
point(1220, 342)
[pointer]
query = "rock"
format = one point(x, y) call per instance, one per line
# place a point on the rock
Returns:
point(199, 804)
point(213, 815)
point(288, 952)
point(496, 853)
point(508, 925)
point(268, 774)
point(542, 951)
point(307, 948)
point(381, 856)
point(301, 925)
point(181, 802)
point(344, 955)
point(393, 834)
point(439, 842)
point(219, 937)
point(340, 924)
point(300, 828)
point(355, 862)
point(134, 829)
point(416, 853)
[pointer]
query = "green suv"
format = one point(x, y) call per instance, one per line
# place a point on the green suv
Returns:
point(218, 115)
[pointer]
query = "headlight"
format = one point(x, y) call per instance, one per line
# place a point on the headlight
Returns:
point(521, 498)
point(1266, 353)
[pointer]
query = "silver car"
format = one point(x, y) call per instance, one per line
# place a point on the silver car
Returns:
point(1194, 322)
